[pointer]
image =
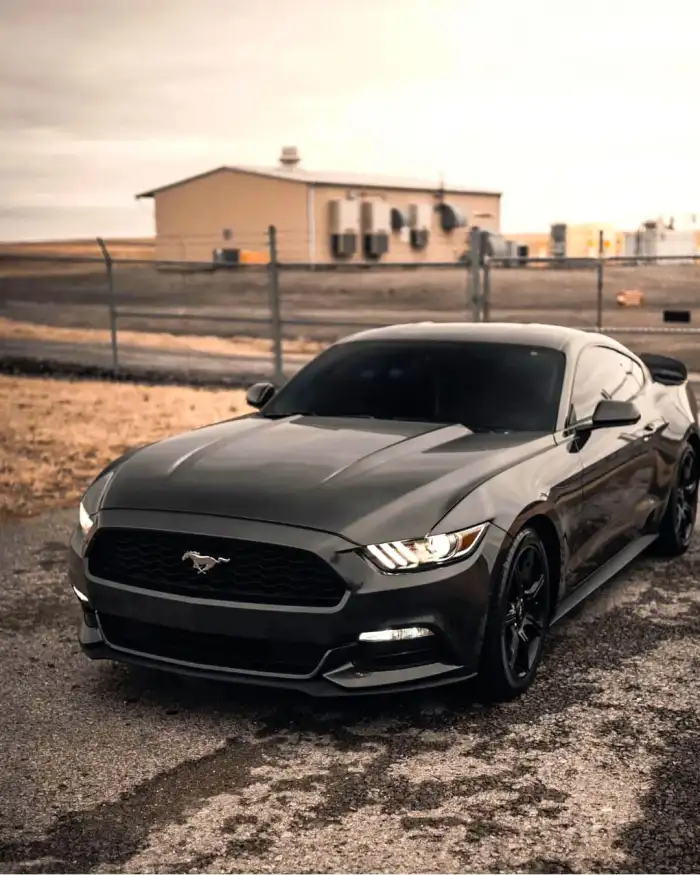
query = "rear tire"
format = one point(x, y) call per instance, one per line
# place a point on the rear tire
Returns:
point(678, 521)
point(518, 620)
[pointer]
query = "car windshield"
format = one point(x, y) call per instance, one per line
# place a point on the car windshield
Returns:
point(484, 386)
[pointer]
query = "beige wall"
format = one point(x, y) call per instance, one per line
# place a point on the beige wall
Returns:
point(190, 218)
point(441, 246)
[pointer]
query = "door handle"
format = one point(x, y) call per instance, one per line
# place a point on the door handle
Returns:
point(650, 426)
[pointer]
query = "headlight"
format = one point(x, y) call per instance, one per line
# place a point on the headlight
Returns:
point(424, 552)
point(85, 521)
point(91, 501)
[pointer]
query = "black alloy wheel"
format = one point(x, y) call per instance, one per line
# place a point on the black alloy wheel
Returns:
point(518, 620)
point(525, 620)
point(686, 503)
point(678, 523)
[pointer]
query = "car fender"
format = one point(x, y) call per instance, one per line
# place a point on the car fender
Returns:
point(511, 500)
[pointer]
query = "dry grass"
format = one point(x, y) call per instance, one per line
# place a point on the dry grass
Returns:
point(137, 247)
point(234, 346)
point(55, 436)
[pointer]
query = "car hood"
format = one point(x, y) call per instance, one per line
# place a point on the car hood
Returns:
point(353, 477)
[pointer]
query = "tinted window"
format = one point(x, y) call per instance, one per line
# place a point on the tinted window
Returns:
point(484, 386)
point(604, 373)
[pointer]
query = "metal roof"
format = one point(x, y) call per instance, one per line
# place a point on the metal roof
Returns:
point(340, 178)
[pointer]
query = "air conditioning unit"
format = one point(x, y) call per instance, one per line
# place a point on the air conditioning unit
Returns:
point(450, 217)
point(376, 226)
point(419, 238)
point(226, 256)
point(557, 240)
point(398, 218)
point(419, 216)
point(344, 220)
point(343, 245)
point(376, 245)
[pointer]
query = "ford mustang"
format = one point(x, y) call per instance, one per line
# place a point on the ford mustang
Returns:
point(416, 506)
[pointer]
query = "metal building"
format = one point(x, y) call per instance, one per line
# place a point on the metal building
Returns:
point(320, 217)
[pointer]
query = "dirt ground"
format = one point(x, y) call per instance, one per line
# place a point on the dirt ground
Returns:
point(113, 769)
point(56, 435)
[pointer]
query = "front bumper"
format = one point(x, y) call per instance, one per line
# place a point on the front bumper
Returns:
point(201, 637)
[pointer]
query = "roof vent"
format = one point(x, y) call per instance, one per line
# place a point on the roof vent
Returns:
point(289, 158)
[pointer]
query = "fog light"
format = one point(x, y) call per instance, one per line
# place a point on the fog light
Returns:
point(83, 598)
point(409, 633)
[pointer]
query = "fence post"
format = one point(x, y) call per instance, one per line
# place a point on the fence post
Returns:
point(111, 303)
point(486, 291)
point(474, 273)
point(599, 281)
point(275, 314)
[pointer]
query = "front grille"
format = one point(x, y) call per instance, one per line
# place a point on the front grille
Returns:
point(256, 572)
point(215, 651)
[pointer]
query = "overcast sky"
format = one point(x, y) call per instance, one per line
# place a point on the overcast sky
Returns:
point(576, 111)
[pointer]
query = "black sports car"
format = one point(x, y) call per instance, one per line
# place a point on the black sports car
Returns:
point(416, 506)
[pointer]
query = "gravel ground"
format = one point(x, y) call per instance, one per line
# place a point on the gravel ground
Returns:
point(119, 770)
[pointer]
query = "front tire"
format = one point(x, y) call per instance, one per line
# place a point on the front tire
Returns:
point(678, 521)
point(518, 620)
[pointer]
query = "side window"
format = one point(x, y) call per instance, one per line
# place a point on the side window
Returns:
point(631, 378)
point(638, 376)
point(589, 383)
point(604, 373)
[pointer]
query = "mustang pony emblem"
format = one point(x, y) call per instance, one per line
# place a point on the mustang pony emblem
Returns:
point(203, 563)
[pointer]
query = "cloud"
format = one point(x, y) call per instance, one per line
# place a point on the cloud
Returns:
point(570, 109)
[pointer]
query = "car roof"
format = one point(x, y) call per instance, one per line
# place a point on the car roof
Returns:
point(560, 337)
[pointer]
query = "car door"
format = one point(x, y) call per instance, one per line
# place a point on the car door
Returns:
point(617, 463)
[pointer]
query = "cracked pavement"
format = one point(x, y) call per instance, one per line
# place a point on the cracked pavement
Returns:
point(114, 769)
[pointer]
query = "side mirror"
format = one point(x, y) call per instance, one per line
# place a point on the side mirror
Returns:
point(609, 414)
point(259, 394)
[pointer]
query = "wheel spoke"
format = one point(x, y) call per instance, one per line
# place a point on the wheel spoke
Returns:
point(514, 647)
point(518, 581)
point(531, 594)
point(526, 567)
point(535, 624)
point(511, 617)
point(522, 657)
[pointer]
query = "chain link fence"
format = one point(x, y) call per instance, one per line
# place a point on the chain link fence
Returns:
point(121, 308)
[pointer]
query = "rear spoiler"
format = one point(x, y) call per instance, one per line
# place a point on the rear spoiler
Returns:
point(665, 370)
